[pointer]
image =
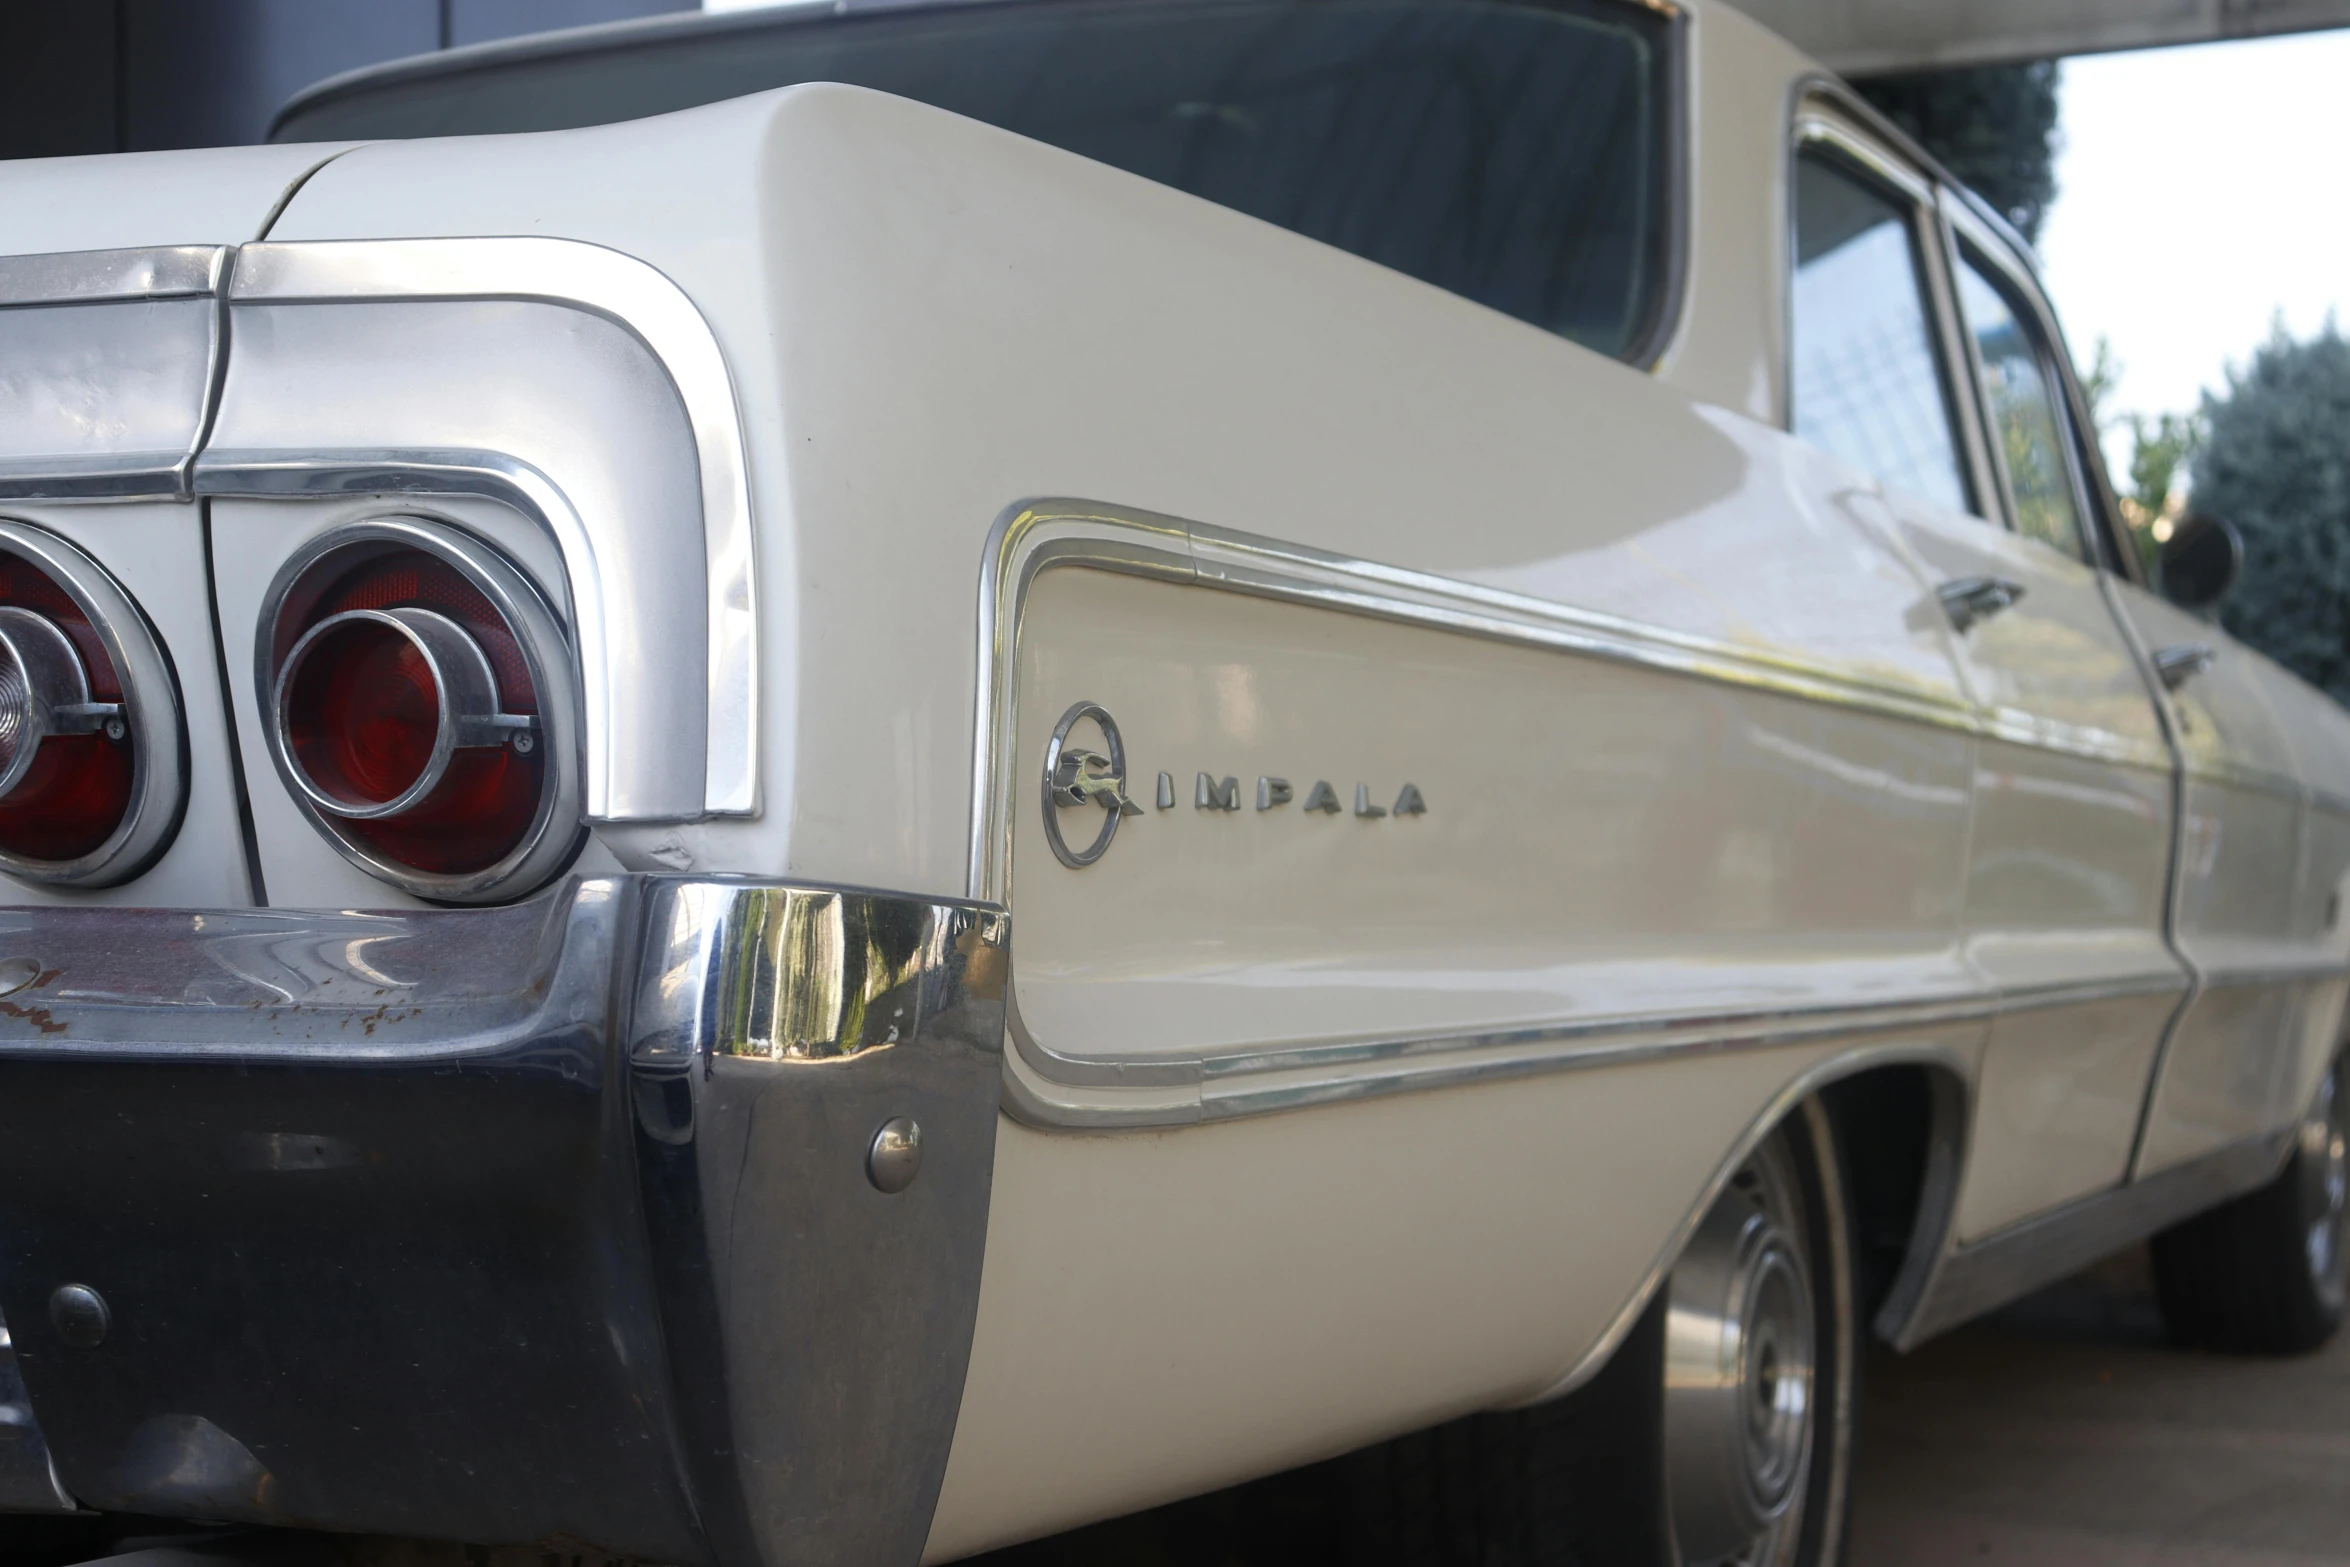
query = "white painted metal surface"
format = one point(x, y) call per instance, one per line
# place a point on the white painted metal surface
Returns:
point(1718, 798)
point(1859, 37)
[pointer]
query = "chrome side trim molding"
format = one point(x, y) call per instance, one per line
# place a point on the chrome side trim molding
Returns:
point(1037, 536)
point(81, 277)
point(644, 302)
point(2309, 971)
point(112, 358)
point(1052, 1088)
point(1970, 1280)
point(1047, 1088)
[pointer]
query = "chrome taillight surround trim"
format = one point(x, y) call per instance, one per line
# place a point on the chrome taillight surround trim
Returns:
point(149, 712)
point(464, 688)
point(559, 827)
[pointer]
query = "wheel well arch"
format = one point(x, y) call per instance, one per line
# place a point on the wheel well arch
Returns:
point(1901, 1132)
point(1908, 1107)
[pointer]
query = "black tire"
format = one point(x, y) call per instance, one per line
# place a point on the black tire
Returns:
point(1584, 1481)
point(2265, 1274)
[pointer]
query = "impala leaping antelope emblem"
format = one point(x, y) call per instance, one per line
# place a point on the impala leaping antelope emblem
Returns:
point(1074, 777)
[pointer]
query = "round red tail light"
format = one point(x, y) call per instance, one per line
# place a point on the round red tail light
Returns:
point(90, 742)
point(408, 670)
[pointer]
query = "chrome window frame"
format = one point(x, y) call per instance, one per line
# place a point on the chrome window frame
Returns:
point(1823, 121)
point(1967, 240)
point(1969, 227)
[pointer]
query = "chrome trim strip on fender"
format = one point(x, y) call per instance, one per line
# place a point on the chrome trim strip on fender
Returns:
point(1037, 536)
point(1047, 1088)
point(80, 277)
point(1970, 1280)
point(113, 357)
point(1051, 1088)
point(641, 300)
point(148, 331)
point(1040, 535)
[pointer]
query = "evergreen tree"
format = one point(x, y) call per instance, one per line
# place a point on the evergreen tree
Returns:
point(1992, 126)
point(2275, 461)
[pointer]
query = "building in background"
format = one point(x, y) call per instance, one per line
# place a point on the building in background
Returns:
point(136, 75)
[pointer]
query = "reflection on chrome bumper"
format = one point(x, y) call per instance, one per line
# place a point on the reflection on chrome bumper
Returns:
point(27, 1482)
point(507, 1225)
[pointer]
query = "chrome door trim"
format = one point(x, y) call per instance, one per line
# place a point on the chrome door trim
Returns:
point(2306, 971)
point(1986, 1274)
point(643, 301)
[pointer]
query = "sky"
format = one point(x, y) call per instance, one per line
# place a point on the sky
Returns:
point(2200, 191)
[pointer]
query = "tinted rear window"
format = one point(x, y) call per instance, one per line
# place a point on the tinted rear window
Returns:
point(1518, 155)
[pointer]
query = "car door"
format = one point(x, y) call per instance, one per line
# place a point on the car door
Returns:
point(2070, 834)
point(2248, 918)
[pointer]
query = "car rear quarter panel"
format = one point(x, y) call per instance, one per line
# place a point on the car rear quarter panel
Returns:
point(929, 322)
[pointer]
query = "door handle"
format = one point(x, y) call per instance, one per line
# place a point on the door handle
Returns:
point(1967, 600)
point(2175, 666)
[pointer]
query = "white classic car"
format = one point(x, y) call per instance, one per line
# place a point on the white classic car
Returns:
point(936, 771)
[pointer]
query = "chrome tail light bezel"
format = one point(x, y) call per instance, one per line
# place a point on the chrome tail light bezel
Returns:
point(468, 710)
point(150, 715)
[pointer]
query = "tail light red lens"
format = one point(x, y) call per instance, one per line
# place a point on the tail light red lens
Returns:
point(363, 712)
point(405, 668)
point(68, 768)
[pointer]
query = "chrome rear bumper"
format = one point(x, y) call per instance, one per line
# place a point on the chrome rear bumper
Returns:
point(543, 1223)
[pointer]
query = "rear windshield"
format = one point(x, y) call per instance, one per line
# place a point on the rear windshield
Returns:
point(1516, 154)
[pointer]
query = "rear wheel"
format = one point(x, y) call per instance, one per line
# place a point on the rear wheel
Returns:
point(1720, 1432)
point(2266, 1273)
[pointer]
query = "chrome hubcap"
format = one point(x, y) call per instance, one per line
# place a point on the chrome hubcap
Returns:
point(2325, 1177)
point(1740, 1359)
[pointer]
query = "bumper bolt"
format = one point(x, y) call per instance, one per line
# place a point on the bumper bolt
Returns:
point(79, 1315)
point(896, 1156)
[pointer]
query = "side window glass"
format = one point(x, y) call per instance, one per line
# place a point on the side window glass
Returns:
point(1867, 382)
point(2019, 393)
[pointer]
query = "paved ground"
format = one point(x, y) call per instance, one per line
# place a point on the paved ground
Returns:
point(2064, 1431)
point(2061, 1431)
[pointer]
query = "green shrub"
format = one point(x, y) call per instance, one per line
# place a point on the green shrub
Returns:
point(2275, 461)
